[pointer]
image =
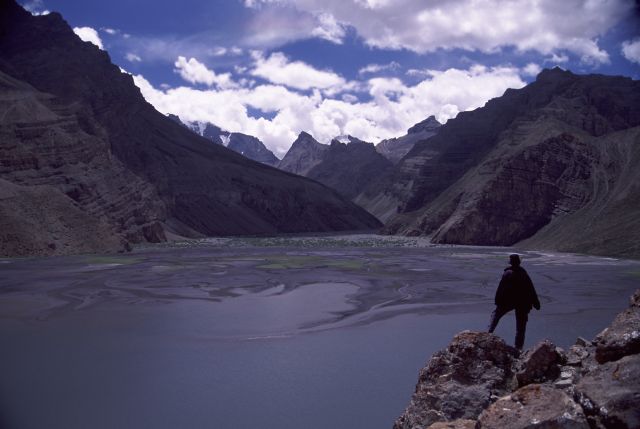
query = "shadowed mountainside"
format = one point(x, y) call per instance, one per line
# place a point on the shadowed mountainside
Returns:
point(349, 167)
point(72, 120)
point(553, 158)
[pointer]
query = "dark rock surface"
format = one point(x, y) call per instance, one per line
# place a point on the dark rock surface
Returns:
point(610, 394)
point(476, 378)
point(540, 364)
point(304, 154)
point(534, 406)
point(118, 158)
point(394, 149)
point(540, 163)
point(622, 338)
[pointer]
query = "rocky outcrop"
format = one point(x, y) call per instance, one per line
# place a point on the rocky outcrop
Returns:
point(396, 148)
point(539, 164)
point(72, 120)
point(304, 154)
point(478, 381)
point(622, 338)
point(459, 381)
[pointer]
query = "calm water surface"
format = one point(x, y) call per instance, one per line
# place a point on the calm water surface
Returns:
point(292, 333)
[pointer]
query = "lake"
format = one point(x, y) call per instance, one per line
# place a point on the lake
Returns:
point(291, 332)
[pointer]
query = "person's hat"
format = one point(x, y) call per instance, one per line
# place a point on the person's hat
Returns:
point(514, 259)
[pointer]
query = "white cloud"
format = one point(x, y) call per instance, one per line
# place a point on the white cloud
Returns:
point(392, 109)
point(376, 68)
point(111, 31)
point(545, 26)
point(631, 50)
point(557, 59)
point(194, 71)
point(329, 29)
point(88, 34)
point(133, 58)
point(296, 74)
point(36, 7)
point(531, 69)
point(218, 51)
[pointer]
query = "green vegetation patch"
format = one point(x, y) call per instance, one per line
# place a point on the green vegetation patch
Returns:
point(299, 262)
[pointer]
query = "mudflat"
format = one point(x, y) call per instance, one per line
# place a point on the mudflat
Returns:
point(285, 332)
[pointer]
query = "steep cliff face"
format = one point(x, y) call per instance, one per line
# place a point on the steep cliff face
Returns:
point(480, 382)
point(304, 154)
point(396, 148)
point(118, 158)
point(56, 151)
point(349, 168)
point(530, 159)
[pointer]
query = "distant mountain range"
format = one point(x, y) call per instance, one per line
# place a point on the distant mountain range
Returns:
point(552, 165)
point(349, 165)
point(244, 144)
point(87, 165)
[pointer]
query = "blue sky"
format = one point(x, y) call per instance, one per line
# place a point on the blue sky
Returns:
point(370, 68)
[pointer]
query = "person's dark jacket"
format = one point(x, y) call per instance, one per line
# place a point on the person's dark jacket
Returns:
point(516, 290)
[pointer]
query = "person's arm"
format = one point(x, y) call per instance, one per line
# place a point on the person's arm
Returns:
point(534, 295)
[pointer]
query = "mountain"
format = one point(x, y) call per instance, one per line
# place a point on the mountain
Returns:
point(349, 167)
point(251, 147)
point(246, 145)
point(76, 128)
point(304, 154)
point(551, 163)
point(394, 149)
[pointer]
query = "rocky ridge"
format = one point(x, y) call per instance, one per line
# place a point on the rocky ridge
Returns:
point(396, 148)
point(304, 154)
point(480, 382)
point(248, 146)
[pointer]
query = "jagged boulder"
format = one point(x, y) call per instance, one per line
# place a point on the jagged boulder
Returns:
point(622, 337)
point(459, 381)
point(610, 393)
point(534, 406)
point(541, 364)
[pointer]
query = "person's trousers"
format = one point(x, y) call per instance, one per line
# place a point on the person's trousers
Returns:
point(522, 316)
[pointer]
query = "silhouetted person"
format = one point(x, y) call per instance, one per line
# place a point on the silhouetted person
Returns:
point(515, 292)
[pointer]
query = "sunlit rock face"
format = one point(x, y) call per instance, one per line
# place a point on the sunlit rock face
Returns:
point(542, 162)
point(304, 154)
point(72, 120)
